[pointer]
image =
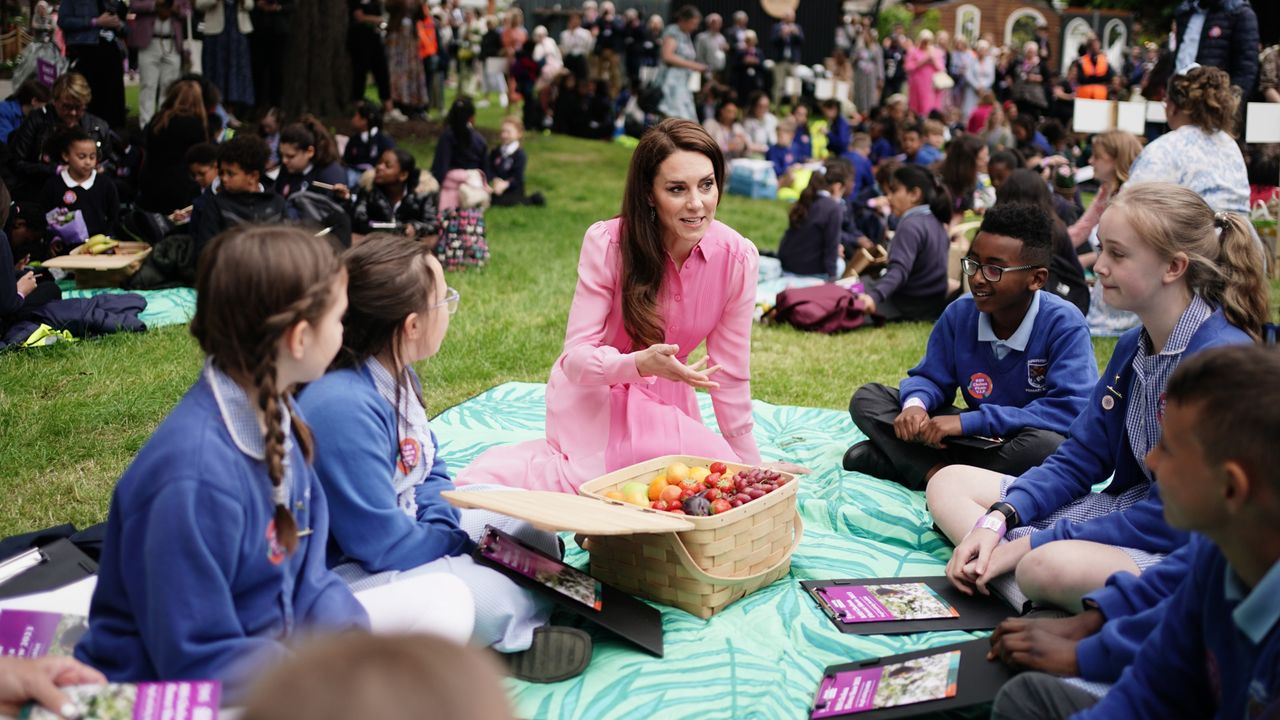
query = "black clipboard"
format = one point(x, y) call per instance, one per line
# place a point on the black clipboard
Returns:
point(619, 613)
point(61, 564)
point(977, 612)
point(977, 683)
point(975, 442)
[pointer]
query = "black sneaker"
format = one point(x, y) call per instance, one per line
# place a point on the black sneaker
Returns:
point(557, 653)
point(866, 458)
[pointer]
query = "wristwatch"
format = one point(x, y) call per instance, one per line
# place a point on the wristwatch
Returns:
point(1011, 519)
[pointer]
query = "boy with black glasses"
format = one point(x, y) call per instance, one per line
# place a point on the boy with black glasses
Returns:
point(1022, 359)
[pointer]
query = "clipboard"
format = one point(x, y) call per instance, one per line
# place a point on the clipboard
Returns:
point(977, 442)
point(60, 563)
point(623, 615)
point(977, 683)
point(977, 612)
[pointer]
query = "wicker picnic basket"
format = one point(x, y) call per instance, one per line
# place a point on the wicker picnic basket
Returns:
point(701, 571)
point(698, 564)
point(103, 271)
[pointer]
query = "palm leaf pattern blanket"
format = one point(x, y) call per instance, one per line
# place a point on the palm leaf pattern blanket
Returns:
point(761, 657)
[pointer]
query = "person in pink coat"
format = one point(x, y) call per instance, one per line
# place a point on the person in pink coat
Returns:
point(921, 63)
point(653, 283)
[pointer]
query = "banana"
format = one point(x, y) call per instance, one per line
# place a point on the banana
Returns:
point(101, 246)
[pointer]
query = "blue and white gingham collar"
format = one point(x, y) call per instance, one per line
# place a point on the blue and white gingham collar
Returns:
point(239, 414)
point(1192, 318)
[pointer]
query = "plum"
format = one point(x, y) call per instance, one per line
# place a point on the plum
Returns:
point(697, 505)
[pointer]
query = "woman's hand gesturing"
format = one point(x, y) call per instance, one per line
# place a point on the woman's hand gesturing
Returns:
point(659, 360)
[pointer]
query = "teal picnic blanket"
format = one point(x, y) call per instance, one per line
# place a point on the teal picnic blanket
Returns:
point(762, 656)
point(174, 306)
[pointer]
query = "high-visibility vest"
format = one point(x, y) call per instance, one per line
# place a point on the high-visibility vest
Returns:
point(428, 43)
point(1091, 74)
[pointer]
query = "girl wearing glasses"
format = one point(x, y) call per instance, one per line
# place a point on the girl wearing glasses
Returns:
point(1194, 277)
point(378, 460)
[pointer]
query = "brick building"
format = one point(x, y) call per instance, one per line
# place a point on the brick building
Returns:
point(1012, 22)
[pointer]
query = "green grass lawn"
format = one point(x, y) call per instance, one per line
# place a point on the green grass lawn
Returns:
point(72, 416)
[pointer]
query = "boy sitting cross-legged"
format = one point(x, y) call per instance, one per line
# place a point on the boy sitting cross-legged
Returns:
point(1215, 651)
point(1021, 357)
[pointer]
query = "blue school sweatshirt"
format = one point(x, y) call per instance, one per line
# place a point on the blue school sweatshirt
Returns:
point(190, 585)
point(1098, 446)
point(838, 136)
point(864, 174)
point(1215, 653)
point(1044, 386)
point(1133, 606)
point(782, 157)
point(926, 155)
point(357, 447)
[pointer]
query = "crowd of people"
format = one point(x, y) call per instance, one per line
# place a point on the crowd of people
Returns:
point(1168, 574)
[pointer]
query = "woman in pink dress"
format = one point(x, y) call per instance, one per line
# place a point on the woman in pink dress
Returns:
point(921, 63)
point(653, 283)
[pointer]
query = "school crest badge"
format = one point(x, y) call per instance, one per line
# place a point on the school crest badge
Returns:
point(410, 455)
point(981, 386)
point(275, 551)
point(69, 197)
point(1037, 374)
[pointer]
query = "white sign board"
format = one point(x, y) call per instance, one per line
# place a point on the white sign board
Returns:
point(1091, 116)
point(1132, 117)
point(1263, 123)
point(824, 88)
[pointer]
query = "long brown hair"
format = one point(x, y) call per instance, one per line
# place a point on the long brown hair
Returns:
point(388, 278)
point(1123, 148)
point(253, 284)
point(643, 254)
point(1224, 262)
point(183, 99)
point(309, 132)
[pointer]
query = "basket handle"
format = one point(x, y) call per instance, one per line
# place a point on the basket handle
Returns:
point(797, 528)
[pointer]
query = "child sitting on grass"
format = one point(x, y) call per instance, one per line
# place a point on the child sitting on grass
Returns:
point(240, 198)
point(1195, 279)
point(507, 163)
point(79, 187)
point(367, 142)
point(214, 550)
point(859, 156)
point(380, 464)
point(838, 130)
point(1215, 649)
point(1022, 359)
point(397, 198)
point(914, 149)
point(914, 286)
point(811, 244)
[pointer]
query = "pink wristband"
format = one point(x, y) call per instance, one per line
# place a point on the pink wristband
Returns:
point(989, 522)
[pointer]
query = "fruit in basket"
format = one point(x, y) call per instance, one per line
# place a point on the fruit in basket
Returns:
point(656, 486)
point(636, 493)
point(671, 493)
point(698, 474)
point(720, 505)
point(100, 244)
point(697, 505)
point(615, 495)
point(677, 472)
point(718, 468)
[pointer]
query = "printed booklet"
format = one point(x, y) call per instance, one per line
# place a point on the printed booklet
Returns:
point(571, 582)
point(32, 634)
point(181, 700)
point(884, 603)
point(931, 677)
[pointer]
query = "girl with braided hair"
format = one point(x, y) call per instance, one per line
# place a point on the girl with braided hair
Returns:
point(215, 544)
